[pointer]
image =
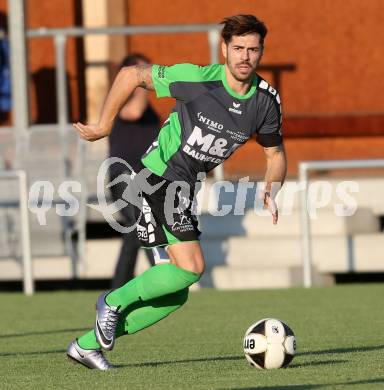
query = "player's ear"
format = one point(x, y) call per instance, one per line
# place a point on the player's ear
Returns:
point(224, 49)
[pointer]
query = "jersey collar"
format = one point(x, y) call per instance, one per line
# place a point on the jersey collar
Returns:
point(232, 92)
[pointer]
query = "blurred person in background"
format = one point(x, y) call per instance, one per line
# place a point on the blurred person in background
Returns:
point(134, 129)
point(218, 108)
point(5, 72)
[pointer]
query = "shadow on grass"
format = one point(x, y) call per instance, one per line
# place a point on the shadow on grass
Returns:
point(308, 386)
point(31, 353)
point(180, 361)
point(319, 363)
point(343, 350)
point(42, 332)
point(207, 359)
point(226, 358)
point(145, 364)
point(212, 359)
point(292, 366)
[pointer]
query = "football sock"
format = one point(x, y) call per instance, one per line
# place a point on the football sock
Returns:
point(148, 313)
point(140, 316)
point(88, 341)
point(155, 282)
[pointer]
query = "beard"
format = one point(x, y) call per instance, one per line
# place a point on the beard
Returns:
point(242, 71)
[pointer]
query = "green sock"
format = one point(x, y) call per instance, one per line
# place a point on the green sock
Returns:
point(155, 282)
point(140, 316)
point(88, 341)
point(148, 313)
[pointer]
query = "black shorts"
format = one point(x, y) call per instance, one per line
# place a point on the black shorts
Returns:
point(166, 215)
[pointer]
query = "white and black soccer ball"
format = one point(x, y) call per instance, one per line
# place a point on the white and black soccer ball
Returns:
point(269, 343)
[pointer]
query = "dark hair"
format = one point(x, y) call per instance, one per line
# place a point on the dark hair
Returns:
point(242, 25)
point(134, 59)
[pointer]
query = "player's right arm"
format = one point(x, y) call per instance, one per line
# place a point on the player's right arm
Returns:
point(125, 83)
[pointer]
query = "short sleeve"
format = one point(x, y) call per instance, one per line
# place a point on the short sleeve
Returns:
point(270, 133)
point(164, 77)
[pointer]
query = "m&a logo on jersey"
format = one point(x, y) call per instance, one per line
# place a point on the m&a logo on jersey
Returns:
point(235, 108)
point(208, 144)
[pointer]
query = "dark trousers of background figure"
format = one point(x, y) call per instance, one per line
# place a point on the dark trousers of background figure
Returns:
point(126, 262)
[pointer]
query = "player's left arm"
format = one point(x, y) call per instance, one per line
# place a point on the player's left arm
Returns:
point(274, 177)
point(270, 137)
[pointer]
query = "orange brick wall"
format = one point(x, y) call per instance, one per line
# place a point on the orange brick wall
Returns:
point(334, 46)
point(52, 13)
point(332, 100)
point(332, 93)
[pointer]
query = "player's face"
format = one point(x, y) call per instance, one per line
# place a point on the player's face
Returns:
point(242, 55)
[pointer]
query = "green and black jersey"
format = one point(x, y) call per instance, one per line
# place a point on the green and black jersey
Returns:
point(210, 121)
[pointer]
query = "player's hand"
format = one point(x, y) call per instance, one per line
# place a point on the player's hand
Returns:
point(270, 204)
point(90, 132)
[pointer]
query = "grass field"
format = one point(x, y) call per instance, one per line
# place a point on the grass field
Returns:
point(339, 330)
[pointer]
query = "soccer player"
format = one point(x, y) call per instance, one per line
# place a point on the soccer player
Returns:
point(218, 108)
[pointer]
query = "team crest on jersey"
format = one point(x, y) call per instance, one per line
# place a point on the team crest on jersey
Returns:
point(235, 108)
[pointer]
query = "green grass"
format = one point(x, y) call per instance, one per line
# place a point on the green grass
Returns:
point(339, 330)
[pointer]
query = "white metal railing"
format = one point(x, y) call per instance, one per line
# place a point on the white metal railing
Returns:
point(28, 284)
point(60, 35)
point(20, 110)
point(304, 168)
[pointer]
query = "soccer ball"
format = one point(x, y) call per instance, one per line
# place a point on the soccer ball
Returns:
point(269, 343)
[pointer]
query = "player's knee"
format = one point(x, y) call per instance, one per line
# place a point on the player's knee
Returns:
point(196, 265)
point(199, 263)
point(188, 256)
point(183, 296)
point(200, 267)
